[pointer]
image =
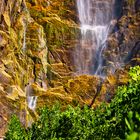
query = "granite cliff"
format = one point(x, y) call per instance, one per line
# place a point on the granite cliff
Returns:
point(37, 40)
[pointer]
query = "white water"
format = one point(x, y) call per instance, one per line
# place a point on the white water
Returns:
point(31, 100)
point(24, 36)
point(95, 17)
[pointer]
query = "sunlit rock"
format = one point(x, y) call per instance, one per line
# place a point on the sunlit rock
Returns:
point(37, 41)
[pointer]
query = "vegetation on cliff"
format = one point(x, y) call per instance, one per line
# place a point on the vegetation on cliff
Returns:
point(118, 120)
point(37, 40)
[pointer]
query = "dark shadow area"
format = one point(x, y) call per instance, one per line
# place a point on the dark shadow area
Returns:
point(118, 9)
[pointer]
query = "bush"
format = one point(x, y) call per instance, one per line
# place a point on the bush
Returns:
point(113, 121)
point(15, 131)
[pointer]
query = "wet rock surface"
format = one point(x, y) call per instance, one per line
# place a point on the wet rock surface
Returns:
point(123, 42)
point(32, 64)
point(22, 43)
point(29, 59)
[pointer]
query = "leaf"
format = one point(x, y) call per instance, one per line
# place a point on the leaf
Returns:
point(128, 124)
point(130, 115)
point(138, 116)
point(133, 136)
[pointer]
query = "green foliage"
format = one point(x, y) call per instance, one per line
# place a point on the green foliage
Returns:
point(15, 131)
point(118, 120)
point(133, 126)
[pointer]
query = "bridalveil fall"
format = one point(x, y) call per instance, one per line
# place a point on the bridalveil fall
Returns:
point(95, 18)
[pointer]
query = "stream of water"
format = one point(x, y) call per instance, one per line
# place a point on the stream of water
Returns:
point(24, 36)
point(31, 100)
point(95, 17)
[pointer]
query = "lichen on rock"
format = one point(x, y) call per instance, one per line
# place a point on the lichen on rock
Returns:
point(37, 40)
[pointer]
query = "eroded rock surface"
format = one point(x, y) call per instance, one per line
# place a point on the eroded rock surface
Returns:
point(36, 43)
point(23, 53)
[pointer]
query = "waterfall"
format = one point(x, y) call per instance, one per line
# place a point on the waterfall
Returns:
point(31, 100)
point(24, 36)
point(95, 17)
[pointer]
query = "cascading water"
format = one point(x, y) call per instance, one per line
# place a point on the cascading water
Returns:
point(24, 36)
point(31, 100)
point(95, 17)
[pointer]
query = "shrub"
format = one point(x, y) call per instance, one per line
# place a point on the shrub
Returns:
point(15, 130)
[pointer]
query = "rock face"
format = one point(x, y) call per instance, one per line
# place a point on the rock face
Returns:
point(33, 52)
point(123, 42)
point(77, 90)
point(36, 42)
point(123, 49)
point(23, 54)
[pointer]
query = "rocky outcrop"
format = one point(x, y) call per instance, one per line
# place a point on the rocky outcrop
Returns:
point(77, 90)
point(35, 38)
point(123, 41)
point(23, 54)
